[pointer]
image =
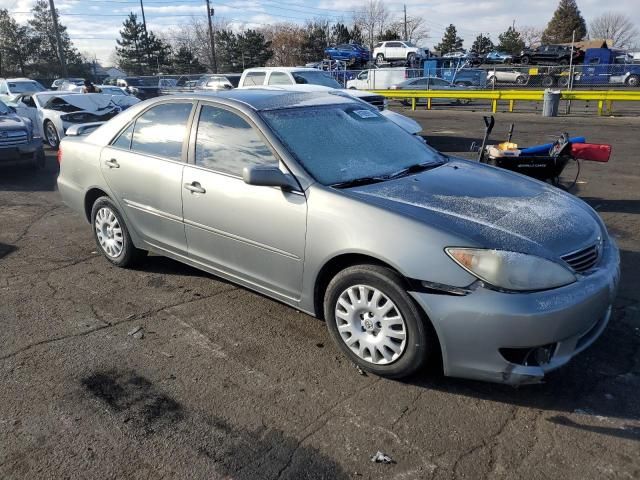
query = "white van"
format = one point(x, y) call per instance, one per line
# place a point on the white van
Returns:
point(274, 76)
point(381, 78)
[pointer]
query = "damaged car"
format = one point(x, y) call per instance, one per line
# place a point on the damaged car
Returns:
point(52, 113)
point(319, 201)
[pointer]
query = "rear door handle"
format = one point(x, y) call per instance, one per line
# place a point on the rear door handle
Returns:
point(194, 187)
point(113, 163)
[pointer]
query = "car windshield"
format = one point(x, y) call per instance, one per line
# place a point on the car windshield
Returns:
point(26, 86)
point(316, 78)
point(342, 143)
point(4, 110)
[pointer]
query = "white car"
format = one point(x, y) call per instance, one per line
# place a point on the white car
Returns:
point(496, 76)
point(10, 88)
point(52, 113)
point(380, 78)
point(398, 50)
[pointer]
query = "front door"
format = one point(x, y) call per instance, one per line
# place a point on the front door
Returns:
point(249, 233)
point(143, 167)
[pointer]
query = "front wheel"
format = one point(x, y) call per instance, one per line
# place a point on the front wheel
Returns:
point(375, 322)
point(51, 135)
point(379, 58)
point(521, 80)
point(111, 234)
point(547, 81)
point(525, 60)
point(411, 57)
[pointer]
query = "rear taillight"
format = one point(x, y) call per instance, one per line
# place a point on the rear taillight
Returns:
point(59, 156)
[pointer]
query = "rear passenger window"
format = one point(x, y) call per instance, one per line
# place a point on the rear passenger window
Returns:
point(254, 78)
point(226, 143)
point(279, 78)
point(160, 131)
point(124, 140)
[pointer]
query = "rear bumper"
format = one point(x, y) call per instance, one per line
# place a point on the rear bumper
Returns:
point(21, 154)
point(474, 330)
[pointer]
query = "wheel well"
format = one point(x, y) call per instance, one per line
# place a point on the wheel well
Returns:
point(90, 198)
point(331, 269)
point(339, 263)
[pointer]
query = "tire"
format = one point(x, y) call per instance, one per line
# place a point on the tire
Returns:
point(51, 134)
point(564, 61)
point(547, 81)
point(633, 81)
point(39, 160)
point(563, 82)
point(521, 80)
point(379, 58)
point(463, 101)
point(112, 236)
point(492, 81)
point(411, 57)
point(395, 347)
point(525, 60)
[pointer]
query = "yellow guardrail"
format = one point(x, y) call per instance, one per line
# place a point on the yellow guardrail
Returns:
point(601, 96)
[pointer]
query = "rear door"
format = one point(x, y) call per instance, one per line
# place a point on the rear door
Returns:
point(143, 166)
point(249, 233)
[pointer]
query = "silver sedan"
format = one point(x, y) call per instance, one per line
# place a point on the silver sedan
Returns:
point(319, 201)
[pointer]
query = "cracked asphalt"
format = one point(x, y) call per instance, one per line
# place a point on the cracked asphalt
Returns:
point(226, 383)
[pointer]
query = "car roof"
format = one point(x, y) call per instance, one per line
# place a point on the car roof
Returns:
point(263, 99)
point(283, 69)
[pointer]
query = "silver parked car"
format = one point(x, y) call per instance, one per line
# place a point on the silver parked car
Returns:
point(319, 201)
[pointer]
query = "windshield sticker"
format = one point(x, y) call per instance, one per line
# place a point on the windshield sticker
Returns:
point(365, 113)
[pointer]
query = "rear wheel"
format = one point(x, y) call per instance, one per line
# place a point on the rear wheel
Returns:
point(564, 61)
point(563, 82)
point(411, 57)
point(547, 81)
point(633, 81)
point(51, 134)
point(111, 234)
point(375, 322)
point(492, 81)
point(525, 60)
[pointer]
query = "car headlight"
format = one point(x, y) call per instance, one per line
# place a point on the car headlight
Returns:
point(511, 270)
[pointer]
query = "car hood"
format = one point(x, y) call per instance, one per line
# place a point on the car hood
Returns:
point(88, 102)
point(490, 208)
point(12, 122)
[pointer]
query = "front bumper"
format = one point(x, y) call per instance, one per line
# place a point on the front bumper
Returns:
point(473, 328)
point(21, 154)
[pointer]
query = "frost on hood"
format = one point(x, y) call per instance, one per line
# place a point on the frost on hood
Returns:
point(499, 215)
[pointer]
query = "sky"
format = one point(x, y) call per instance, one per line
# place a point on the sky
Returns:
point(93, 25)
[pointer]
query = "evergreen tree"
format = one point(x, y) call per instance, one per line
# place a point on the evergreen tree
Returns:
point(227, 52)
point(315, 40)
point(184, 62)
point(44, 44)
point(356, 35)
point(482, 45)
point(510, 42)
point(565, 20)
point(16, 47)
point(389, 34)
point(340, 34)
point(254, 49)
point(130, 49)
point(450, 42)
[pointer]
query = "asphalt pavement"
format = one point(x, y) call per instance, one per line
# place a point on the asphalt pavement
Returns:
point(164, 371)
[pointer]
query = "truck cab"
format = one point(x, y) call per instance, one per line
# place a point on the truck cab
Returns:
point(603, 65)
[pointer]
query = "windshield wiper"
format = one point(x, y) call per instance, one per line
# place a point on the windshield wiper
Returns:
point(418, 167)
point(359, 181)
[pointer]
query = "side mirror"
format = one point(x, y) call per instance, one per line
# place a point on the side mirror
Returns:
point(263, 176)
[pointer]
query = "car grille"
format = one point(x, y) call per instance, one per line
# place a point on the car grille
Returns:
point(13, 138)
point(583, 260)
point(375, 100)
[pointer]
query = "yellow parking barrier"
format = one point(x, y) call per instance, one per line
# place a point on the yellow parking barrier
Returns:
point(494, 96)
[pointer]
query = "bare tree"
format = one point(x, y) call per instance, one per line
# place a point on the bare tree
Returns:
point(194, 37)
point(416, 29)
point(532, 36)
point(372, 20)
point(616, 27)
point(287, 42)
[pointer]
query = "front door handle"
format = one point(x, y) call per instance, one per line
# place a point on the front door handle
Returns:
point(113, 163)
point(194, 187)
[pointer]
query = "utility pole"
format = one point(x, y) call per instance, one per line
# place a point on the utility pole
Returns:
point(54, 17)
point(146, 37)
point(405, 24)
point(214, 64)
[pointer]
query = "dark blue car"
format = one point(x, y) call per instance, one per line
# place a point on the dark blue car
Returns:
point(351, 53)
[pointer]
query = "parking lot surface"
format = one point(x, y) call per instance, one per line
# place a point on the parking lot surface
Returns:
point(164, 371)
